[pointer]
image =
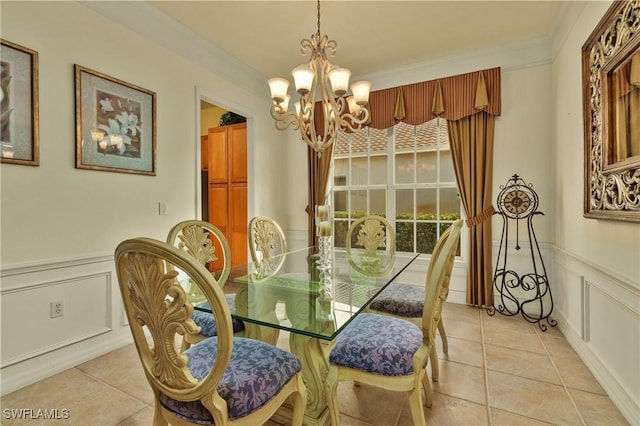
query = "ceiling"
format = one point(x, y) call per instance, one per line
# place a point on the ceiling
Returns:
point(372, 36)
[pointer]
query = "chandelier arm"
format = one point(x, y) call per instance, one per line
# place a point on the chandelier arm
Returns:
point(352, 122)
point(284, 119)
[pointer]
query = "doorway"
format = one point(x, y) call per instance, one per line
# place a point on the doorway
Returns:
point(223, 175)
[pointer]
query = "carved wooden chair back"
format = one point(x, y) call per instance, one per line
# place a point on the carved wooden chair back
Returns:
point(267, 244)
point(438, 279)
point(207, 245)
point(188, 386)
point(371, 245)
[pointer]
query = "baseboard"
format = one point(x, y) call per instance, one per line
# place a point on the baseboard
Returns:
point(33, 370)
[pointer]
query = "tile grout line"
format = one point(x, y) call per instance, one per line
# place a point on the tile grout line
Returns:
point(564, 385)
point(485, 369)
point(113, 387)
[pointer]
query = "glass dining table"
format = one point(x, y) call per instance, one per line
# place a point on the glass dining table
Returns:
point(312, 298)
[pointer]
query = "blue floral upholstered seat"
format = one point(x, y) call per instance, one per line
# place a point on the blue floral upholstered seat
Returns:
point(390, 352)
point(377, 344)
point(220, 380)
point(403, 300)
point(207, 322)
point(255, 374)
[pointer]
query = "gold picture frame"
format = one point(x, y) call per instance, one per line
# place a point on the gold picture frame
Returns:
point(115, 124)
point(611, 103)
point(19, 121)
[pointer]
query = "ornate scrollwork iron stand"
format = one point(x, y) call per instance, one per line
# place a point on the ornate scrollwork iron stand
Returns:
point(528, 294)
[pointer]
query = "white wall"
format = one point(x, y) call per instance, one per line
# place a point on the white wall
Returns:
point(596, 262)
point(60, 225)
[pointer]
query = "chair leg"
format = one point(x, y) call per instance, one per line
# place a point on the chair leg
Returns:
point(435, 366)
point(332, 395)
point(426, 384)
point(443, 336)
point(299, 400)
point(415, 402)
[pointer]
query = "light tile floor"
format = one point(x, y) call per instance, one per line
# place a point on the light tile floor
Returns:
point(499, 371)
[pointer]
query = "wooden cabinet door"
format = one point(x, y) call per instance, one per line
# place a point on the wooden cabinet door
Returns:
point(237, 146)
point(218, 216)
point(227, 186)
point(219, 207)
point(217, 141)
point(204, 152)
point(238, 223)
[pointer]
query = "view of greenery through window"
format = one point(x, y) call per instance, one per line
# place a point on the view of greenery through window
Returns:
point(405, 174)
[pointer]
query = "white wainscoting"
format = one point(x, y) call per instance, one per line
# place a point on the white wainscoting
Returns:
point(36, 346)
point(598, 312)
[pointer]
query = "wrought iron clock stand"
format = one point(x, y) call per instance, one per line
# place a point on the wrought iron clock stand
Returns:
point(527, 294)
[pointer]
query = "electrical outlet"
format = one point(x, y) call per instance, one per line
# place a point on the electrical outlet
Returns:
point(162, 208)
point(57, 309)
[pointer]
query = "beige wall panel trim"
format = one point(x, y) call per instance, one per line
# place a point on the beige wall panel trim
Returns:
point(572, 261)
point(29, 268)
point(620, 288)
point(87, 313)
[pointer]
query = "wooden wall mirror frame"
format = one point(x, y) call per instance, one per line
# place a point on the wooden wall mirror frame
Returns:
point(611, 181)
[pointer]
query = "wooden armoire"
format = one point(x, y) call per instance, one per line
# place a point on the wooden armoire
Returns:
point(224, 167)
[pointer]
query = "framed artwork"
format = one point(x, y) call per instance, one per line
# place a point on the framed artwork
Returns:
point(19, 138)
point(611, 103)
point(115, 124)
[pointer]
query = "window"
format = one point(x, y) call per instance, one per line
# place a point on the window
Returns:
point(405, 174)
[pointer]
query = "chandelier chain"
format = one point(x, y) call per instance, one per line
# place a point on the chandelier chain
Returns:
point(318, 18)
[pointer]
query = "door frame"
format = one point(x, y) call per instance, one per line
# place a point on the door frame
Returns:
point(212, 98)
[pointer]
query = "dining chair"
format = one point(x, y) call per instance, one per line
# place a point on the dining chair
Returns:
point(371, 245)
point(222, 380)
point(267, 244)
point(406, 301)
point(206, 244)
point(389, 352)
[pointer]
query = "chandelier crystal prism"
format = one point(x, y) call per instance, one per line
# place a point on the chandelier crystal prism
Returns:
point(320, 85)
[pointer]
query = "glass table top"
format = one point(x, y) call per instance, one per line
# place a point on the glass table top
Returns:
point(297, 292)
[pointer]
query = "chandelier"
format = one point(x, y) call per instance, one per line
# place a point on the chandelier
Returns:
point(320, 84)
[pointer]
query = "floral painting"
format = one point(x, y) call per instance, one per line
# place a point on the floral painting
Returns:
point(119, 126)
point(18, 105)
point(115, 124)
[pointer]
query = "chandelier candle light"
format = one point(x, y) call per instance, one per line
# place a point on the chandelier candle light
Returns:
point(312, 79)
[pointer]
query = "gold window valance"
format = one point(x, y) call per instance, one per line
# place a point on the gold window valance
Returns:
point(450, 97)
